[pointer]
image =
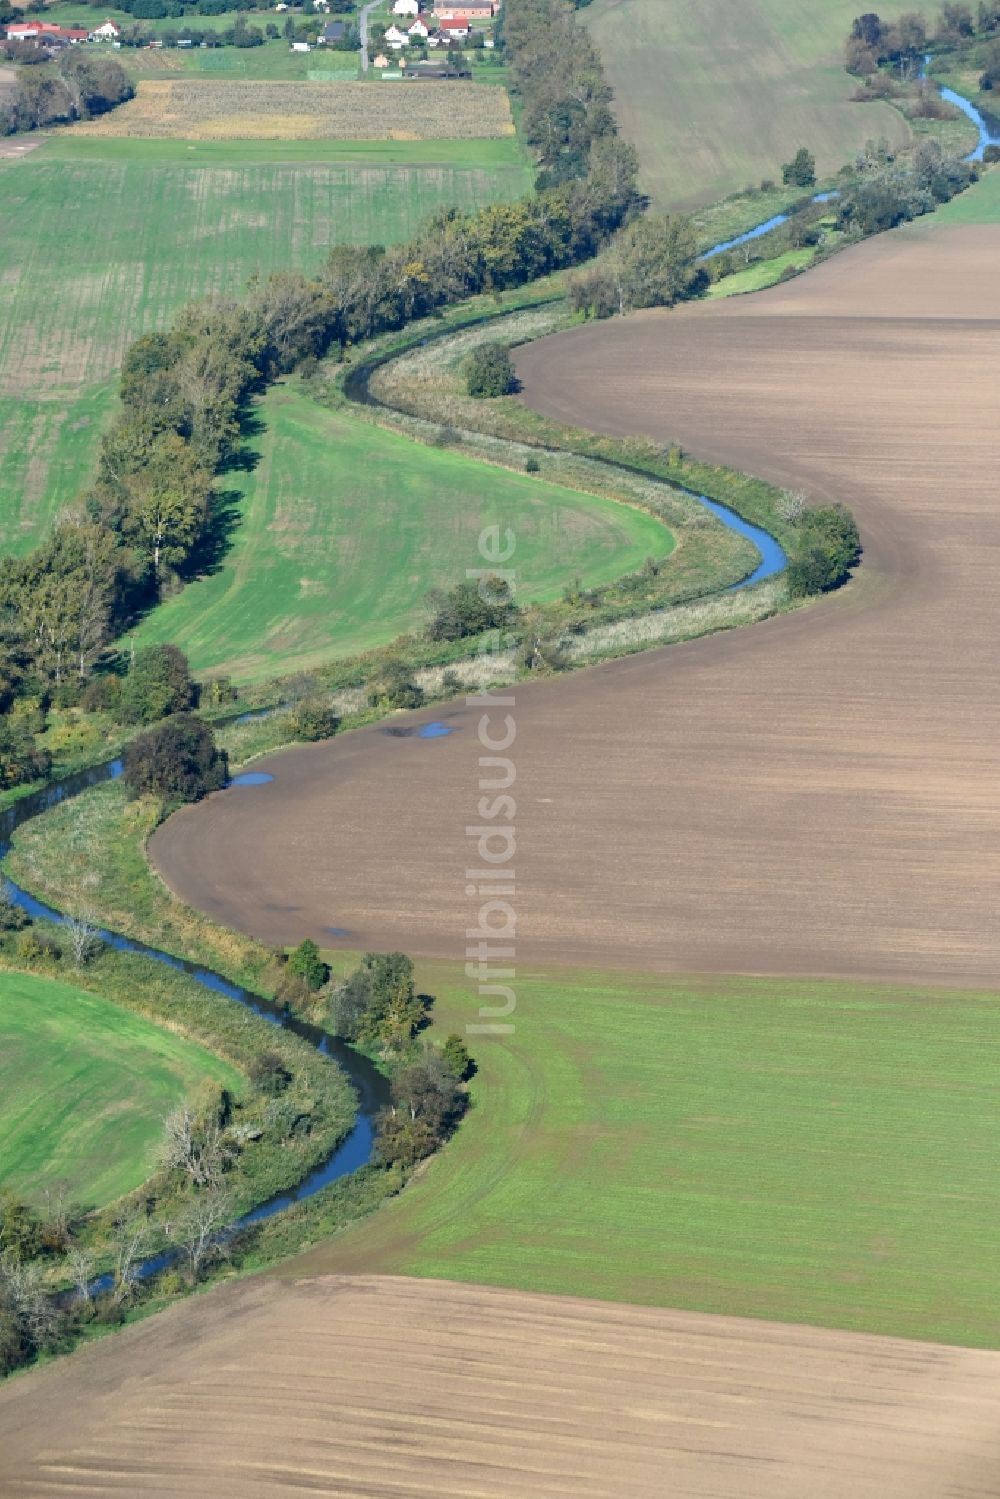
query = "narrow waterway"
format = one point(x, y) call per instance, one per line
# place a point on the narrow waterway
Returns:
point(371, 1086)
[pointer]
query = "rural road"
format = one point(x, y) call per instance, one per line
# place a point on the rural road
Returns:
point(814, 795)
point(366, 11)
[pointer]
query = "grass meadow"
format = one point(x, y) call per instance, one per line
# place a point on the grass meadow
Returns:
point(101, 241)
point(801, 1150)
point(716, 96)
point(84, 1087)
point(345, 526)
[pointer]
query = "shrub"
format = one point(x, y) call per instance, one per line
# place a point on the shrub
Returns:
point(828, 546)
point(177, 760)
point(13, 918)
point(102, 695)
point(21, 759)
point(378, 1001)
point(157, 685)
point(532, 466)
point(470, 608)
point(313, 719)
point(801, 170)
point(305, 963)
point(457, 1058)
point(268, 1073)
point(489, 372)
point(394, 687)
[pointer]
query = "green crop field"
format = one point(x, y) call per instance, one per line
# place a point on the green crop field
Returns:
point(136, 229)
point(800, 1150)
point(980, 205)
point(715, 96)
point(84, 1087)
point(345, 526)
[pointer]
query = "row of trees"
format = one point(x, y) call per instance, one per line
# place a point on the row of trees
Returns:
point(565, 99)
point(903, 43)
point(153, 515)
point(80, 86)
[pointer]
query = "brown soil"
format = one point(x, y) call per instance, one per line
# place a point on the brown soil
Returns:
point(816, 794)
point(414, 1389)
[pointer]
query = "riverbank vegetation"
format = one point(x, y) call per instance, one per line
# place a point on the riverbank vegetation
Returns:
point(262, 1117)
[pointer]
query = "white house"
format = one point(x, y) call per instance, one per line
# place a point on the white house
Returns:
point(108, 32)
point(418, 31)
point(396, 38)
point(406, 8)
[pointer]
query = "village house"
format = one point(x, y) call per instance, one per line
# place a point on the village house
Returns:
point(396, 38)
point(418, 32)
point(406, 8)
point(381, 61)
point(454, 31)
point(333, 32)
point(107, 32)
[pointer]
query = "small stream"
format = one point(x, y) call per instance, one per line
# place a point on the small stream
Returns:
point(987, 137)
point(371, 1086)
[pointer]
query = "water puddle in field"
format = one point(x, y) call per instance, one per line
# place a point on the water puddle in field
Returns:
point(251, 778)
point(436, 730)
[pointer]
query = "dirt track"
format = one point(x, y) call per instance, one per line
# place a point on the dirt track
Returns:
point(414, 1389)
point(814, 795)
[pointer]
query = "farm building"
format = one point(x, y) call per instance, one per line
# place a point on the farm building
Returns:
point(45, 34)
point(476, 10)
point(301, 47)
point(108, 31)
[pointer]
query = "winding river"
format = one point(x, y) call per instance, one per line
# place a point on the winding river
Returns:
point(987, 137)
point(371, 1087)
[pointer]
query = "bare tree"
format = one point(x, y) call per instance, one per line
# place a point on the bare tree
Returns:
point(80, 1263)
point(57, 1214)
point(199, 1231)
point(130, 1238)
point(195, 1146)
point(24, 1296)
point(84, 938)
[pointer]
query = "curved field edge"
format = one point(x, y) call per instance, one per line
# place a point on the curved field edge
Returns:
point(345, 528)
point(789, 1150)
point(633, 1110)
point(84, 1088)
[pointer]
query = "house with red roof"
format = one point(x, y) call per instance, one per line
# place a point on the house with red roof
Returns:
point(455, 29)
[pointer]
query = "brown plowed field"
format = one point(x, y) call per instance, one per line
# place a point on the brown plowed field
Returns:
point(407, 1389)
point(817, 794)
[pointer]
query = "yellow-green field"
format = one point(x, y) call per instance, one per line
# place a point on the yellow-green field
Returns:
point(716, 96)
